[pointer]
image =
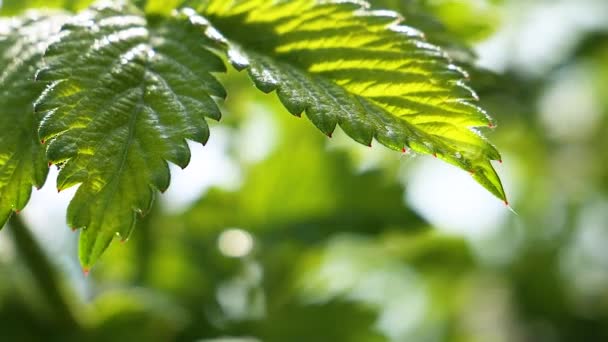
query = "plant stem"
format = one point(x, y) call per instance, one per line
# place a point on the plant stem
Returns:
point(43, 272)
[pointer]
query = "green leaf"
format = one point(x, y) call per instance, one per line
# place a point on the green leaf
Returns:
point(127, 91)
point(22, 160)
point(343, 64)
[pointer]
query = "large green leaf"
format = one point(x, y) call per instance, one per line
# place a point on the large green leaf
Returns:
point(22, 160)
point(361, 69)
point(127, 92)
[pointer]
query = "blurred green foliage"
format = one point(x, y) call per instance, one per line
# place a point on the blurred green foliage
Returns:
point(338, 255)
point(12, 7)
point(452, 24)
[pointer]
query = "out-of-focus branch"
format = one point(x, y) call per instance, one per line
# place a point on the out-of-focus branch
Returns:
point(44, 273)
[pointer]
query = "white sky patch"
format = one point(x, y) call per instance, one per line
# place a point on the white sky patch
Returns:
point(536, 34)
point(45, 214)
point(210, 165)
point(453, 202)
point(258, 135)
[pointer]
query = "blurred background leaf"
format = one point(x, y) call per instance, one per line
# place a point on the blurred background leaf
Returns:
point(12, 7)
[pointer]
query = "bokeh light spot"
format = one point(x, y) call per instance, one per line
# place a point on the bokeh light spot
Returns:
point(235, 243)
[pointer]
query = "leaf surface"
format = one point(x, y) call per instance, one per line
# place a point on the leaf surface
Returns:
point(22, 160)
point(343, 64)
point(127, 91)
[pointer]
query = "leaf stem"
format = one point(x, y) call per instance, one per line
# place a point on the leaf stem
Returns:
point(44, 273)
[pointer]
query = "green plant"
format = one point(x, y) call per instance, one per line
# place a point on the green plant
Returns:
point(112, 93)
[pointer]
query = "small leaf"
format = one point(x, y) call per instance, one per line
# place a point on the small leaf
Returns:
point(22, 160)
point(345, 65)
point(127, 91)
